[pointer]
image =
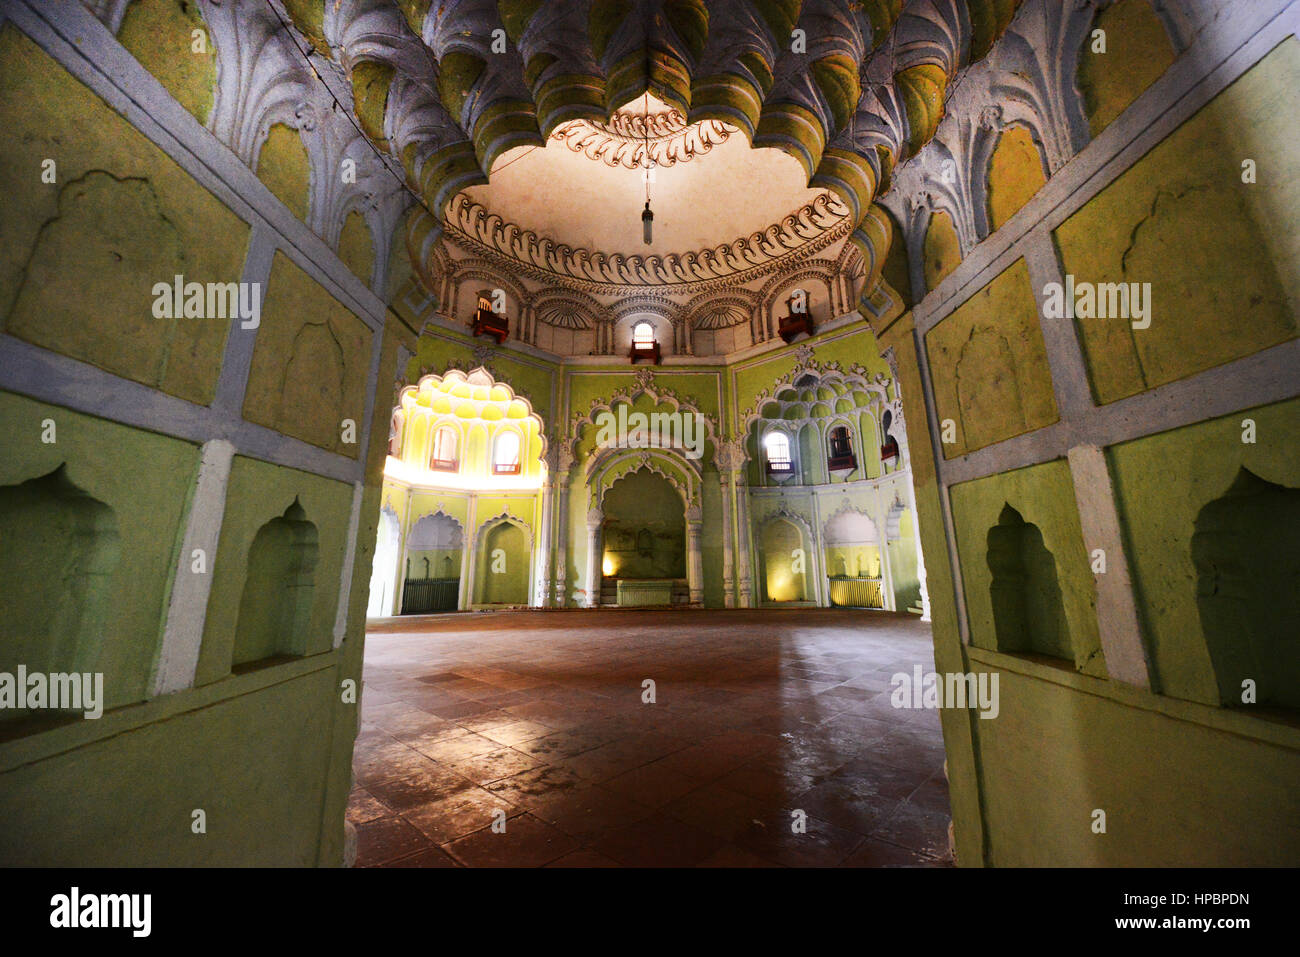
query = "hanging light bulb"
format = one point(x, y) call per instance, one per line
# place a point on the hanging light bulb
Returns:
point(647, 217)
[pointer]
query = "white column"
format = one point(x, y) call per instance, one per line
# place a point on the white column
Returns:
point(887, 582)
point(920, 557)
point(745, 585)
point(595, 519)
point(562, 543)
point(694, 561)
point(188, 606)
point(728, 551)
point(541, 596)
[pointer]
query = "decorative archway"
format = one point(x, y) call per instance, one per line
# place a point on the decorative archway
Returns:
point(683, 474)
point(432, 564)
point(502, 568)
point(785, 575)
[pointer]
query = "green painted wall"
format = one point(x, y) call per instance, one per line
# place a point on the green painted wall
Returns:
point(1185, 773)
point(1148, 227)
point(1133, 53)
point(1162, 483)
point(147, 514)
point(161, 34)
point(989, 365)
point(79, 257)
point(310, 363)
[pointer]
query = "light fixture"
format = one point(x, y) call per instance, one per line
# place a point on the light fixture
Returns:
point(647, 217)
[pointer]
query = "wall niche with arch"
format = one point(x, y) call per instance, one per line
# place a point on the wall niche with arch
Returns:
point(275, 608)
point(645, 528)
point(784, 559)
point(55, 590)
point(1247, 559)
point(503, 563)
point(1028, 610)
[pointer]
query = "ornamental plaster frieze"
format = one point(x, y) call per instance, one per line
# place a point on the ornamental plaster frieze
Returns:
point(794, 239)
point(628, 137)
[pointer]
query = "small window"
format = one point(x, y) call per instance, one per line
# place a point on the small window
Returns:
point(643, 335)
point(505, 459)
point(444, 457)
point(777, 447)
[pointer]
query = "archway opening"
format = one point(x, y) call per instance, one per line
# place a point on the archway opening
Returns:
point(853, 564)
point(433, 560)
point(643, 559)
point(383, 573)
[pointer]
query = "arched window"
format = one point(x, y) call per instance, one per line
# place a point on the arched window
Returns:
point(444, 457)
point(777, 448)
point(395, 435)
point(643, 335)
point(505, 457)
point(839, 456)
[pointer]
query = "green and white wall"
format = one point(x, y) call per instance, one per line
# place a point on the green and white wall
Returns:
point(188, 504)
point(1107, 506)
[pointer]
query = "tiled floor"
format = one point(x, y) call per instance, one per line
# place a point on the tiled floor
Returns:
point(537, 720)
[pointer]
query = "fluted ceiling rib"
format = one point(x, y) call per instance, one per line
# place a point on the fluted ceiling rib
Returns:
point(849, 89)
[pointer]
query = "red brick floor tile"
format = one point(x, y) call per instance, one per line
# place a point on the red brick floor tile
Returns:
point(539, 716)
point(525, 842)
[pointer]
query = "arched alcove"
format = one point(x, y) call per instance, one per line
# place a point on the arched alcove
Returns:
point(851, 549)
point(784, 557)
point(434, 546)
point(1247, 559)
point(61, 549)
point(1028, 615)
point(645, 528)
point(503, 563)
point(275, 608)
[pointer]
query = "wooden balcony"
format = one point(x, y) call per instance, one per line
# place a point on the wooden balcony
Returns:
point(644, 350)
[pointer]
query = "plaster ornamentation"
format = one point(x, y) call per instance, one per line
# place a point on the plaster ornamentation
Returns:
point(627, 138)
point(804, 232)
point(642, 384)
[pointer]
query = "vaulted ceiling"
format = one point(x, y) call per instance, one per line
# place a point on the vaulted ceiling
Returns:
point(847, 90)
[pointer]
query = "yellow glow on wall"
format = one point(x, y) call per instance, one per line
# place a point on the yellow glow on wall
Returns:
point(607, 566)
point(480, 411)
point(781, 585)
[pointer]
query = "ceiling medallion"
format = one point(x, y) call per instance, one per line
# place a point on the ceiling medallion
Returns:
point(629, 136)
